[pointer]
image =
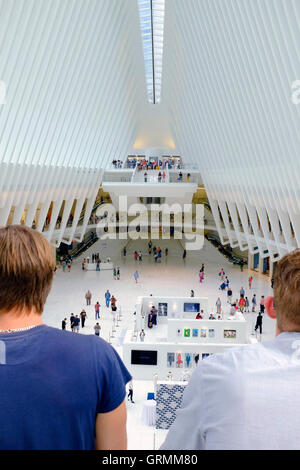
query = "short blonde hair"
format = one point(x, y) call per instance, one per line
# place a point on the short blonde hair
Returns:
point(287, 290)
point(27, 265)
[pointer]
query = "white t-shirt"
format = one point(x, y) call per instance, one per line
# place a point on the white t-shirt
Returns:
point(245, 398)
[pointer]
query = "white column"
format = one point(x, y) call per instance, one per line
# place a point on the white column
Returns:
point(250, 260)
point(261, 264)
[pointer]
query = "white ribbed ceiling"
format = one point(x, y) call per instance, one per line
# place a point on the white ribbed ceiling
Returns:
point(76, 93)
point(70, 68)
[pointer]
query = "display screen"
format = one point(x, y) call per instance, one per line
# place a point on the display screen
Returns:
point(145, 358)
point(162, 309)
point(191, 307)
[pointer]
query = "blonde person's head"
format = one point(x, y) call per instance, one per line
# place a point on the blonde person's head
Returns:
point(27, 265)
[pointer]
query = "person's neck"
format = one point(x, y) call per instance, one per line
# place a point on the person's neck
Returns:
point(287, 329)
point(15, 319)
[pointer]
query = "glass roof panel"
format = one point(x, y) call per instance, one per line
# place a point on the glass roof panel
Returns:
point(152, 15)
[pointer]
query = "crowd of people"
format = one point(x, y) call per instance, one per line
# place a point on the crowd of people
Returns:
point(65, 263)
point(117, 163)
point(240, 304)
point(157, 164)
point(160, 177)
point(77, 321)
point(154, 251)
point(94, 259)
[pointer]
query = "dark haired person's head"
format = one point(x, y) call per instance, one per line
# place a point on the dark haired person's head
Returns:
point(286, 293)
point(27, 265)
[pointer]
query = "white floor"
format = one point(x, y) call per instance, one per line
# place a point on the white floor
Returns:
point(173, 277)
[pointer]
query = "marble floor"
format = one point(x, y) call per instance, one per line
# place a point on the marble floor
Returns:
point(174, 276)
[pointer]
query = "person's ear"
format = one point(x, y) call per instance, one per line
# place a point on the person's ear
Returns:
point(269, 304)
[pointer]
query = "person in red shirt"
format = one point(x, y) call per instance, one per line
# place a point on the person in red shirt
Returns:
point(242, 303)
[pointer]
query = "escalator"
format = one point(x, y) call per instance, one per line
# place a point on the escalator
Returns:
point(83, 246)
point(227, 252)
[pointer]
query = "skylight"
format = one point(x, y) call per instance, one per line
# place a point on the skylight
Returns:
point(152, 15)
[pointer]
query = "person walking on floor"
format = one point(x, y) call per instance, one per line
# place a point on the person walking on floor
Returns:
point(136, 276)
point(259, 323)
point(113, 301)
point(130, 392)
point(88, 297)
point(142, 336)
point(219, 305)
point(64, 324)
point(76, 324)
point(83, 316)
point(97, 329)
point(72, 320)
point(107, 298)
point(229, 295)
point(262, 304)
point(113, 311)
point(253, 302)
point(242, 303)
point(97, 311)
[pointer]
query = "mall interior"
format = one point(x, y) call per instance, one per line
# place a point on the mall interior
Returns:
point(146, 139)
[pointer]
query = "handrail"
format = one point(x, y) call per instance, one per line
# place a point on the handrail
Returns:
point(234, 258)
point(84, 246)
point(94, 208)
